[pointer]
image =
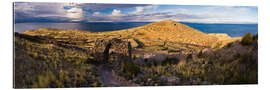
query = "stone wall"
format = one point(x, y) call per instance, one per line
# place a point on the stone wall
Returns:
point(103, 48)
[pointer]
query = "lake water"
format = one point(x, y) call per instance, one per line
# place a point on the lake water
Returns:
point(233, 30)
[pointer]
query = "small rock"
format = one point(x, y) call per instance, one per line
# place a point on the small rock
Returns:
point(149, 79)
point(173, 79)
point(205, 83)
point(163, 78)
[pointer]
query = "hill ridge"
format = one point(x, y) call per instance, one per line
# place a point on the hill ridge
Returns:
point(155, 33)
point(168, 30)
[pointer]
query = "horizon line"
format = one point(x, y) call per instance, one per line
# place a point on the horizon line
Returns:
point(137, 22)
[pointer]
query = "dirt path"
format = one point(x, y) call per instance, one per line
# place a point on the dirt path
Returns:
point(110, 79)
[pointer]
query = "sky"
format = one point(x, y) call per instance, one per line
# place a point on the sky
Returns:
point(93, 12)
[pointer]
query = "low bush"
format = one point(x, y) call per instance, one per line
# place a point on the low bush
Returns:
point(247, 39)
point(189, 56)
point(130, 68)
point(170, 61)
point(91, 61)
point(229, 44)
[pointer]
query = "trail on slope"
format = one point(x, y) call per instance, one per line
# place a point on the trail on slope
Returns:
point(110, 79)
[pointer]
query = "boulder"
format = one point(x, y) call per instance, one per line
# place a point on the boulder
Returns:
point(207, 52)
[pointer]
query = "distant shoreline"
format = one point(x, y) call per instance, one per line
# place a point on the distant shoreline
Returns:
point(132, 22)
point(233, 30)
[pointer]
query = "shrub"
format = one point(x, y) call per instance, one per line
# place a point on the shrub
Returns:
point(44, 81)
point(189, 56)
point(91, 61)
point(247, 39)
point(200, 55)
point(170, 61)
point(130, 68)
point(229, 44)
point(255, 37)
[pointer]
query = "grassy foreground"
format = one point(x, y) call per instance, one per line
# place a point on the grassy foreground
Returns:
point(164, 53)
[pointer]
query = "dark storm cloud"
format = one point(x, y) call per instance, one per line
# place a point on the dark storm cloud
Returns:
point(45, 11)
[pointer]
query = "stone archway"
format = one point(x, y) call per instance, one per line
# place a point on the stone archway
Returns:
point(103, 47)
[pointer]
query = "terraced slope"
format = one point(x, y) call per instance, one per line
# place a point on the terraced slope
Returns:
point(157, 35)
point(172, 31)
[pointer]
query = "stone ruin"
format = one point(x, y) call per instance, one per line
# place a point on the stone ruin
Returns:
point(103, 48)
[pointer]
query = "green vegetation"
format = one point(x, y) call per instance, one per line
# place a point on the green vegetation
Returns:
point(247, 39)
point(46, 65)
point(170, 61)
point(205, 70)
point(217, 68)
point(130, 69)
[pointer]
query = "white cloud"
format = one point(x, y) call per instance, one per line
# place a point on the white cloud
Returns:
point(74, 13)
point(140, 9)
point(214, 14)
point(116, 12)
point(96, 13)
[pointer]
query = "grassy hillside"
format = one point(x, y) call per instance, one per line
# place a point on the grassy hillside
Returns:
point(233, 64)
point(39, 63)
point(164, 53)
point(165, 34)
